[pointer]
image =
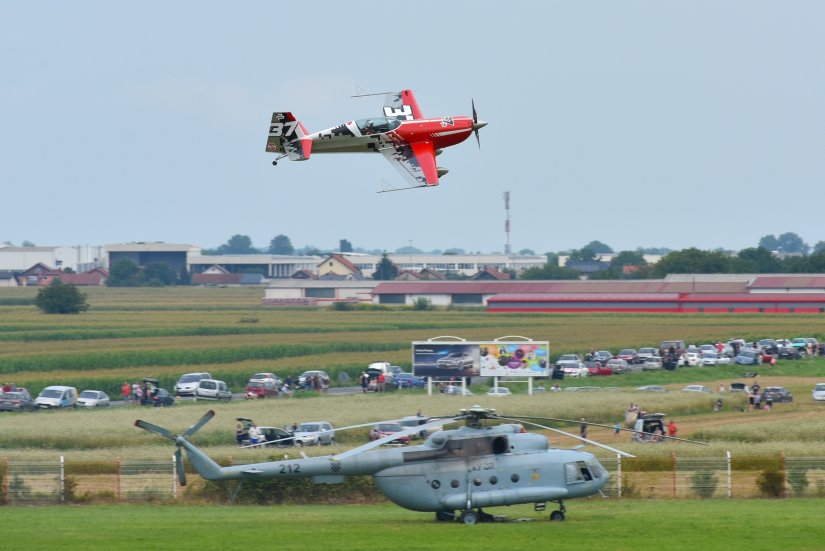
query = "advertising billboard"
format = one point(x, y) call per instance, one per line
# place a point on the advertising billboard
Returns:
point(448, 360)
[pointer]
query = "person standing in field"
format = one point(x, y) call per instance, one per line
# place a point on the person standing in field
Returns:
point(583, 428)
point(672, 429)
point(126, 391)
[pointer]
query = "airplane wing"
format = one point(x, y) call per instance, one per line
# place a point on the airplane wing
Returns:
point(402, 106)
point(416, 162)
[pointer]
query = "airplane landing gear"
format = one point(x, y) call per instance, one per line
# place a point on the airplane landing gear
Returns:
point(274, 163)
point(558, 515)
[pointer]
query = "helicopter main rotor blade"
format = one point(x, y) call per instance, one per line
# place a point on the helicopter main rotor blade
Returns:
point(203, 420)
point(612, 427)
point(179, 467)
point(571, 435)
point(395, 436)
point(154, 428)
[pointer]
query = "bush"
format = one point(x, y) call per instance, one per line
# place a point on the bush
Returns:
point(704, 483)
point(423, 304)
point(771, 483)
point(798, 479)
point(58, 298)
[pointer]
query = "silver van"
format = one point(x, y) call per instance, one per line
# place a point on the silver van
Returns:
point(57, 397)
point(212, 389)
point(188, 383)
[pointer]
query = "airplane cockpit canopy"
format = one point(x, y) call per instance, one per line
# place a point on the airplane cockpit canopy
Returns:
point(377, 125)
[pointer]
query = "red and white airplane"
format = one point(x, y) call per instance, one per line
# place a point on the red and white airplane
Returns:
point(407, 140)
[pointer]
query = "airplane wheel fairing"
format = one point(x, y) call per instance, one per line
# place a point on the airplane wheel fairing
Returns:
point(274, 163)
point(469, 517)
point(557, 516)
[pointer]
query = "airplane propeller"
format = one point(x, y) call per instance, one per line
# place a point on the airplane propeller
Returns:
point(477, 124)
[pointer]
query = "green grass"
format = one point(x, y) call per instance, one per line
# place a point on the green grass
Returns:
point(591, 524)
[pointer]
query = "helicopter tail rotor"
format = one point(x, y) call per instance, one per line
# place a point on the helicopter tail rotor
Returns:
point(166, 433)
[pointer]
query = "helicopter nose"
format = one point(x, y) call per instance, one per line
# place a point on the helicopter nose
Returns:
point(479, 124)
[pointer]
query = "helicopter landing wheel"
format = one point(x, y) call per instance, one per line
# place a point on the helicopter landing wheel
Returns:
point(557, 516)
point(469, 517)
point(443, 516)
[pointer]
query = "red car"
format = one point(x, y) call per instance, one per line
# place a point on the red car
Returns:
point(596, 368)
point(386, 429)
point(260, 389)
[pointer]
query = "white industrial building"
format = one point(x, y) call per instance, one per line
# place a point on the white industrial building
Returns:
point(79, 258)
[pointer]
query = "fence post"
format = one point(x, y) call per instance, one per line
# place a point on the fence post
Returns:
point(673, 458)
point(5, 480)
point(619, 474)
point(62, 480)
point(730, 482)
point(784, 475)
point(117, 479)
point(174, 477)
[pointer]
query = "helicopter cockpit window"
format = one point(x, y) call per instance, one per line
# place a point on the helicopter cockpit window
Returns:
point(376, 125)
point(577, 472)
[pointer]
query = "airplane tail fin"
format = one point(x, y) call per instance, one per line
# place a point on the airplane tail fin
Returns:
point(288, 136)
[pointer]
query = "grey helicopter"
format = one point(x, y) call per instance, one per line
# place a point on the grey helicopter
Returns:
point(454, 473)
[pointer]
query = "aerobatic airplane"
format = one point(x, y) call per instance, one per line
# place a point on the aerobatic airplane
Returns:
point(407, 140)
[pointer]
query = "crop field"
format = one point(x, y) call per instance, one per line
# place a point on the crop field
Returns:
point(597, 524)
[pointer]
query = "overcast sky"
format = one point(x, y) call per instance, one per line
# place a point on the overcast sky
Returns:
point(636, 123)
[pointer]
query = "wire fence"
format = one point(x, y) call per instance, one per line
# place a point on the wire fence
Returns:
point(46, 482)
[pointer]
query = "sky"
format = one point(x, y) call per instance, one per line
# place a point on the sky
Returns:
point(636, 123)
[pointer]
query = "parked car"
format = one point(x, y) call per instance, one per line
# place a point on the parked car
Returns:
point(800, 343)
point(260, 389)
point(603, 356)
point(57, 397)
point(264, 378)
point(618, 366)
point(652, 363)
point(710, 358)
point(408, 380)
point(17, 400)
point(738, 387)
point(788, 353)
point(305, 379)
point(696, 388)
point(457, 390)
point(644, 353)
point(155, 396)
point(188, 383)
point(272, 436)
point(628, 355)
point(819, 392)
point(577, 369)
point(382, 430)
point(776, 394)
point(769, 346)
point(315, 433)
point(457, 360)
point(499, 391)
point(748, 356)
point(568, 359)
point(212, 389)
point(93, 399)
point(692, 358)
point(597, 369)
point(652, 388)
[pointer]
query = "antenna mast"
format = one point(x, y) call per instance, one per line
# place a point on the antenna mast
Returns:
point(506, 222)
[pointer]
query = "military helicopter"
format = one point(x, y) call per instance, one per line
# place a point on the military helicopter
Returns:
point(464, 469)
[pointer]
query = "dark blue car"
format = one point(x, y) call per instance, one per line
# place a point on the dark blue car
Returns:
point(408, 380)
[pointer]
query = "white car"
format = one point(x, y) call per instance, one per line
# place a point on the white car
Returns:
point(819, 392)
point(188, 383)
point(93, 399)
point(691, 358)
point(577, 369)
point(696, 388)
point(568, 359)
point(212, 389)
point(316, 433)
point(265, 378)
point(456, 390)
point(710, 358)
point(499, 391)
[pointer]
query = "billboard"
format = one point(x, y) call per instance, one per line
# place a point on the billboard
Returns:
point(447, 360)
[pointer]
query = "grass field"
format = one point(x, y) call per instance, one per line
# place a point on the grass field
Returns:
point(591, 524)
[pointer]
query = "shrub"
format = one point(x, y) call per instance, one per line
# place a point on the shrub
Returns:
point(771, 483)
point(343, 306)
point(422, 303)
point(798, 479)
point(58, 298)
point(704, 483)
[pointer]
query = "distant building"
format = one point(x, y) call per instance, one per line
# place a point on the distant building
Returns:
point(176, 256)
point(79, 258)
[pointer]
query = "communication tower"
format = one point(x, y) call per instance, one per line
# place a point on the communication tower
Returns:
point(506, 222)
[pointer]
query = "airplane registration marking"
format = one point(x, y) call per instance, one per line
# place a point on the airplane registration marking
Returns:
point(277, 129)
point(290, 469)
point(405, 111)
